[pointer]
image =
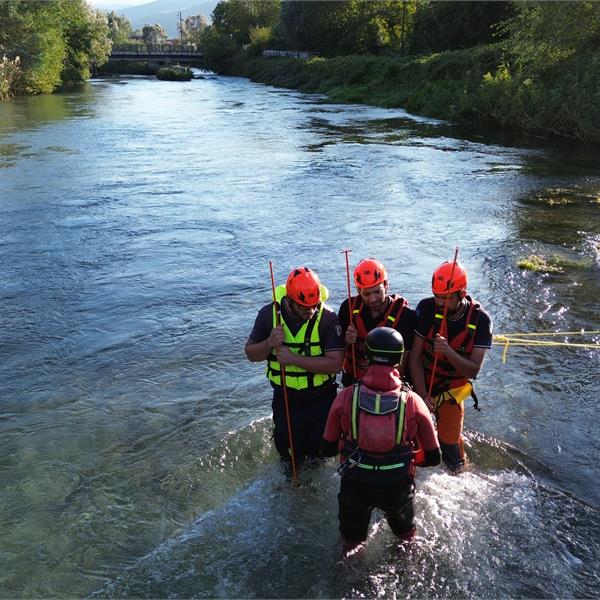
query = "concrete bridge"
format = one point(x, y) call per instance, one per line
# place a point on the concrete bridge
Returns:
point(156, 55)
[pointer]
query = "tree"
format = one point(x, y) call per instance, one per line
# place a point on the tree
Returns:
point(454, 25)
point(119, 28)
point(347, 27)
point(154, 34)
point(192, 28)
point(259, 40)
point(315, 26)
point(56, 41)
point(542, 34)
point(32, 31)
point(87, 39)
point(235, 17)
point(218, 50)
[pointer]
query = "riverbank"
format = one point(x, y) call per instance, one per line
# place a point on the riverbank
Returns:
point(474, 86)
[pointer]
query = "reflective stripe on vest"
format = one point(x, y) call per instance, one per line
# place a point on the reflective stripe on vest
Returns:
point(306, 343)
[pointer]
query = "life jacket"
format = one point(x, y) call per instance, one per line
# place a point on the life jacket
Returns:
point(446, 377)
point(389, 319)
point(374, 450)
point(306, 342)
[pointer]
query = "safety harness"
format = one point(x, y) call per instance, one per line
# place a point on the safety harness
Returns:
point(390, 318)
point(446, 378)
point(376, 420)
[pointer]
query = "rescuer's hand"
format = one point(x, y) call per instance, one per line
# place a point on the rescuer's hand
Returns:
point(440, 344)
point(276, 338)
point(351, 335)
point(285, 356)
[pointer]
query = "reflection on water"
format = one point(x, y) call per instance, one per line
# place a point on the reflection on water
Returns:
point(135, 236)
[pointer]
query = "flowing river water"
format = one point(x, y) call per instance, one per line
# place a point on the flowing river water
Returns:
point(137, 219)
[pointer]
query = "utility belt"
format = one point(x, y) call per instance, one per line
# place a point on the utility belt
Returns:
point(363, 467)
point(456, 395)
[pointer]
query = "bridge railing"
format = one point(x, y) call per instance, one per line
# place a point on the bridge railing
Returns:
point(146, 49)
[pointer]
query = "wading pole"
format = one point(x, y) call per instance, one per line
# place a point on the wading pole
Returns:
point(435, 354)
point(283, 385)
point(346, 252)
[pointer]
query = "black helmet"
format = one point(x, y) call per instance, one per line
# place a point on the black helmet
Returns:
point(384, 346)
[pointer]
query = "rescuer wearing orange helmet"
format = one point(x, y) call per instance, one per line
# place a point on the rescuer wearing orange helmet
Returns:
point(372, 307)
point(308, 343)
point(460, 342)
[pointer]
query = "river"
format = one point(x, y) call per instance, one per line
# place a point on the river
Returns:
point(137, 219)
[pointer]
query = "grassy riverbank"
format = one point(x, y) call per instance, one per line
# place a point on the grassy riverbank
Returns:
point(474, 86)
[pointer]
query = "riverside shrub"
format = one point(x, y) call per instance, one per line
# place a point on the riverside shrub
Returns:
point(477, 86)
point(174, 73)
point(9, 72)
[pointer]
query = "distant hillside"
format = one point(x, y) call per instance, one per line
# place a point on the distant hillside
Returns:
point(166, 12)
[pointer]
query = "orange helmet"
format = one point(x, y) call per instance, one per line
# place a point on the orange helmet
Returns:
point(303, 286)
point(369, 272)
point(449, 278)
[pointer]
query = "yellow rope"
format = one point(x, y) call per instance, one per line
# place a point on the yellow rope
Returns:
point(511, 338)
point(550, 333)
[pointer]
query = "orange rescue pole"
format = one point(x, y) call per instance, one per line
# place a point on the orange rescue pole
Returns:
point(346, 252)
point(283, 385)
point(435, 355)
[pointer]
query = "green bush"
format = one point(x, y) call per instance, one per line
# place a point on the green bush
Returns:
point(174, 73)
point(219, 51)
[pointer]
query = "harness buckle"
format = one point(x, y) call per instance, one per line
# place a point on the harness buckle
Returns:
point(351, 462)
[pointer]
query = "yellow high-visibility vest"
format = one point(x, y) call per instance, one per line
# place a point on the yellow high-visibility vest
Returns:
point(306, 342)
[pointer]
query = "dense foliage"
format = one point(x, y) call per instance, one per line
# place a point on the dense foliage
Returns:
point(440, 26)
point(44, 44)
point(192, 28)
point(154, 35)
point(174, 73)
point(530, 65)
point(119, 28)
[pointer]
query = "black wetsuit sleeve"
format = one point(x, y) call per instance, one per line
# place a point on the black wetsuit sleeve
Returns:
point(329, 448)
point(343, 316)
point(432, 458)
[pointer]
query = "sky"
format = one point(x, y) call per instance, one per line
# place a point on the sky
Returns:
point(104, 4)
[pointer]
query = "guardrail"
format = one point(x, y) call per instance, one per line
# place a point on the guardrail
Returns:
point(144, 49)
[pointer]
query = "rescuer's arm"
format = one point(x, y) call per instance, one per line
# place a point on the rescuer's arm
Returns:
point(259, 351)
point(333, 427)
point(426, 434)
point(468, 366)
point(417, 373)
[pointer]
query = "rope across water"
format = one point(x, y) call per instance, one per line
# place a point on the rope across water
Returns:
point(529, 339)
